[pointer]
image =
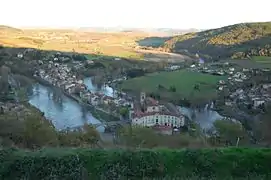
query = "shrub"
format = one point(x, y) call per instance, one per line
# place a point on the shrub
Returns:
point(156, 164)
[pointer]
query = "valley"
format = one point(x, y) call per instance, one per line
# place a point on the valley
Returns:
point(134, 90)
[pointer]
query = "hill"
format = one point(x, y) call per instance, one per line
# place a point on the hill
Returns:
point(116, 44)
point(235, 41)
point(8, 28)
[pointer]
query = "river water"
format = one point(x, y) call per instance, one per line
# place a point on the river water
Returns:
point(104, 89)
point(61, 110)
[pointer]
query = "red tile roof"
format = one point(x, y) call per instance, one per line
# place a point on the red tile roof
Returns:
point(152, 102)
point(139, 114)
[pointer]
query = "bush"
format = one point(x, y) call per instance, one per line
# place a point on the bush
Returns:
point(99, 164)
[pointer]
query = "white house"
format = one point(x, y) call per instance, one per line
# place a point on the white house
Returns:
point(257, 102)
point(150, 119)
point(20, 55)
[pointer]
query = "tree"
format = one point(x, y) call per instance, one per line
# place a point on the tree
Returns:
point(70, 138)
point(229, 133)
point(11, 129)
point(144, 137)
point(91, 135)
point(262, 127)
point(196, 87)
point(124, 111)
point(138, 137)
point(4, 85)
point(38, 132)
point(172, 88)
point(87, 136)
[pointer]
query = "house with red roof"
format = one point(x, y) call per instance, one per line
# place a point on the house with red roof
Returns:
point(150, 113)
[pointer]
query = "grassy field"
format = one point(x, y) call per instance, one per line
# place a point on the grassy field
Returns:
point(254, 62)
point(183, 80)
point(262, 60)
point(118, 44)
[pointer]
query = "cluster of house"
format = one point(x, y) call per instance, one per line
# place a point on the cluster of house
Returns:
point(172, 68)
point(150, 113)
point(60, 75)
point(254, 97)
point(233, 78)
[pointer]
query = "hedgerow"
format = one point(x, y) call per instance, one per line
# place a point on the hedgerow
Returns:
point(76, 164)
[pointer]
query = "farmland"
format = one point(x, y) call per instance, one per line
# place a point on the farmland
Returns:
point(116, 44)
point(184, 82)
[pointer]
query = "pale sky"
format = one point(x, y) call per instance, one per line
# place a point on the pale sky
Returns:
point(202, 14)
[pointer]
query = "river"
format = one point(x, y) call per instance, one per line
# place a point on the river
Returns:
point(104, 89)
point(61, 110)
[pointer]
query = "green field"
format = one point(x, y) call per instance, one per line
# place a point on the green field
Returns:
point(183, 80)
point(264, 61)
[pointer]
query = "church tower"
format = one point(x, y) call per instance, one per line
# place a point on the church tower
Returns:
point(143, 101)
point(142, 98)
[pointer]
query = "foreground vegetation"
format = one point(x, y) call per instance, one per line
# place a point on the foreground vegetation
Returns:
point(178, 84)
point(219, 164)
point(235, 41)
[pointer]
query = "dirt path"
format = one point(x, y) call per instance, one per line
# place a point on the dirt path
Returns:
point(152, 55)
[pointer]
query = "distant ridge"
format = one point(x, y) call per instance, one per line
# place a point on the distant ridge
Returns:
point(236, 41)
point(8, 28)
point(163, 31)
point(166, 31)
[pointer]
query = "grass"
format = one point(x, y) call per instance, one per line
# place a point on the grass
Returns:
point(265, 61)
point(254, 62)
point(183, 80)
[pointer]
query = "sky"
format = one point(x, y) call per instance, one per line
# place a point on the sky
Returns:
point(182, 14)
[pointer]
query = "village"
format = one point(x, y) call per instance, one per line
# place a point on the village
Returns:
point(237, 89)
point(61, 76)
point(245, 88)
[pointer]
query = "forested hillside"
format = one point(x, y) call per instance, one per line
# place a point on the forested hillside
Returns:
point(235, 41)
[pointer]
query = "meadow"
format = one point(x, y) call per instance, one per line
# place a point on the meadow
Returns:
point(183, 80)
point(264, 61)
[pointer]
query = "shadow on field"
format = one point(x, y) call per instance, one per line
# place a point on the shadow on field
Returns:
point(153, 41)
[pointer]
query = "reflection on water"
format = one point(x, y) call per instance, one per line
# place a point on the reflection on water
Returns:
point(205, 117)
point(61, 110)
point(104, 89)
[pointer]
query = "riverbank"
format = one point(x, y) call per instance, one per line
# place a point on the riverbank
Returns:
point(98, 113)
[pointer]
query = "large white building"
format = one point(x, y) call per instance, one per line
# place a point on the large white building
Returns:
point(150, 113)
point(150, 119)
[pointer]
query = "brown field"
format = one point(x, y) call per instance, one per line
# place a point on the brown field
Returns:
point(119, 44)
